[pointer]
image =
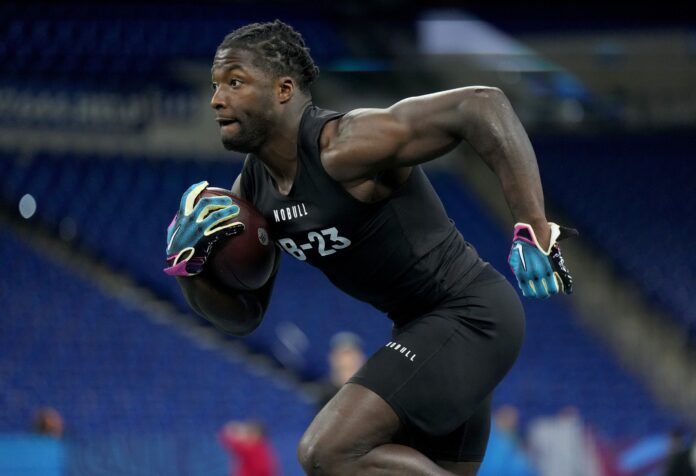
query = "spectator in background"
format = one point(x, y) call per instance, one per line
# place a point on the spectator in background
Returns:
point(507, 419)
point(345, 358)
point(561, 446)
point(47, 421)
point(253, 452)
point(505, 454)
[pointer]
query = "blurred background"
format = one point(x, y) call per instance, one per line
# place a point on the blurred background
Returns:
point(105, 121)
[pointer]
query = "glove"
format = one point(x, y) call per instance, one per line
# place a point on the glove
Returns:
point(196, 228)
point(540, 273)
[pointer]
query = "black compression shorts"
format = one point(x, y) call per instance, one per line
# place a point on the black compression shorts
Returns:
point(439, 370)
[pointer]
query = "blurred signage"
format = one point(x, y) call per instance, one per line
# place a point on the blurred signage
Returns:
point(95, 110)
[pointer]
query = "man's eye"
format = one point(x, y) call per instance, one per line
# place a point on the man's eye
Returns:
point(213, 86)
point(235, 82)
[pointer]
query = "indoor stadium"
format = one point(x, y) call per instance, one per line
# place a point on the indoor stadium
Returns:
point(116, 356)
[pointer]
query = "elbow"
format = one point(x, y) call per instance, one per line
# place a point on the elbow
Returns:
point(239, 329)
point(482, 99)
point(497, 100)
point(487, 117)
point(234, 325)
point(488, 91)
point(238, 324)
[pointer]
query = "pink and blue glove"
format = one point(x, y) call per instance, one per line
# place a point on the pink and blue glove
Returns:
point(196, 228)
point(540, 272)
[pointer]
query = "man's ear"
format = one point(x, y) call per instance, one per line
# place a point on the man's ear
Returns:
point(285, 88)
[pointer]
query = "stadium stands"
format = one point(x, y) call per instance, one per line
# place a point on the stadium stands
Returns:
point(114, 373)
point(107, 46)
point(646, 180)
point(124, 205)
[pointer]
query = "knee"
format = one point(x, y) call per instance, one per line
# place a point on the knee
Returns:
point(320, 455)
point(306, 453)
point(313, 454)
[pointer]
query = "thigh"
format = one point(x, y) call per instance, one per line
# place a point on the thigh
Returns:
point(466, 444)
point(438, 369)
point(353, 422)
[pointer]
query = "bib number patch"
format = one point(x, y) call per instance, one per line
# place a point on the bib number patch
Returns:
point(326, 242)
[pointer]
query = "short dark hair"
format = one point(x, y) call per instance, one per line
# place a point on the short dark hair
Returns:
point(279, 48)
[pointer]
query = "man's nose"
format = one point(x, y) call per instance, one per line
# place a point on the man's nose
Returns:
point(217, 102)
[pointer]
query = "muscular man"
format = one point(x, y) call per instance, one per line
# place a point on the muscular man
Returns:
point(346, 193)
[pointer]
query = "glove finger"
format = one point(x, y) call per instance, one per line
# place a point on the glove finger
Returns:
point(170, 238)
point(184, 263)
point(540, 288)
point(219, 201)
point(219, 214)
point(567, 232)
point(561, 271)
point(171, 229)
point(204, 212)
point(183, 255)
point(525, 288)
point(537, 289)
point(189, 197)
point(559, 282)
point(218, 223)
point(171, 226)
point(552, 284)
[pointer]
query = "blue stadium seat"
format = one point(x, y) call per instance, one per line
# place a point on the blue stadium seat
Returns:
point(633, 196)
point(108, 368)
point(106, 45)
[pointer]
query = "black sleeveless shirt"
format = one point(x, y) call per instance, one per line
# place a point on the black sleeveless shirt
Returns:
point(402, 254)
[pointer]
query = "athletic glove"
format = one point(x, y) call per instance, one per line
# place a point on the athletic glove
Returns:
point(540, 273)
point(196, 227)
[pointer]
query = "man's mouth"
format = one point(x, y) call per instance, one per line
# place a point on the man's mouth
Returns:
point(225, 121)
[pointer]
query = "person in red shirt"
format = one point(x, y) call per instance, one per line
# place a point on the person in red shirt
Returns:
point(253, 452)
point(47, 421)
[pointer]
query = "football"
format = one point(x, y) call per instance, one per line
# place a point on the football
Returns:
point(245, 261)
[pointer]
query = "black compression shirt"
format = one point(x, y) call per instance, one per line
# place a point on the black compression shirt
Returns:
point(402, 254)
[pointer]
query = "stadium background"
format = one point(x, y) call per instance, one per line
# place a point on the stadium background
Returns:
point(104, 121)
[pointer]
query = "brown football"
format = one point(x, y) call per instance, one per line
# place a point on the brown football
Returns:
point(245, 261)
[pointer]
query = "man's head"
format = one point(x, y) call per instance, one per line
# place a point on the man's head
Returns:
point(47, 421)
point(346, 356)
point(257, 72)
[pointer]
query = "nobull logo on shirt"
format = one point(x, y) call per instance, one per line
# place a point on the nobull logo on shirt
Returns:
point(405, 351)
point(290, 213)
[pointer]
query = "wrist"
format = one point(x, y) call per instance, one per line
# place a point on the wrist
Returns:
point(542, 231)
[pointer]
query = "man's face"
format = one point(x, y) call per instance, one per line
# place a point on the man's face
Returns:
point(243, 100)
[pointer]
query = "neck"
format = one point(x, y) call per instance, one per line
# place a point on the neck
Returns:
point(279, 153)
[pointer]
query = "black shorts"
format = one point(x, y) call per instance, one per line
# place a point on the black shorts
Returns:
point(439, 370)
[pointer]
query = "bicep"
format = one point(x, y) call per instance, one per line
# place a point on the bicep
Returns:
point(408, 133)
point(412, 131)
point(432, 122)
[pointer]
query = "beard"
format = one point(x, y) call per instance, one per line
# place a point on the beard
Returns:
point(251, 133)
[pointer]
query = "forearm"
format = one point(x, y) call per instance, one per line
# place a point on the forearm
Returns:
point(234, 312)
point(496, 133)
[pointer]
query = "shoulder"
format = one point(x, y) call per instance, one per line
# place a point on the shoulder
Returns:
point(350, 144)
point(361, 122)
